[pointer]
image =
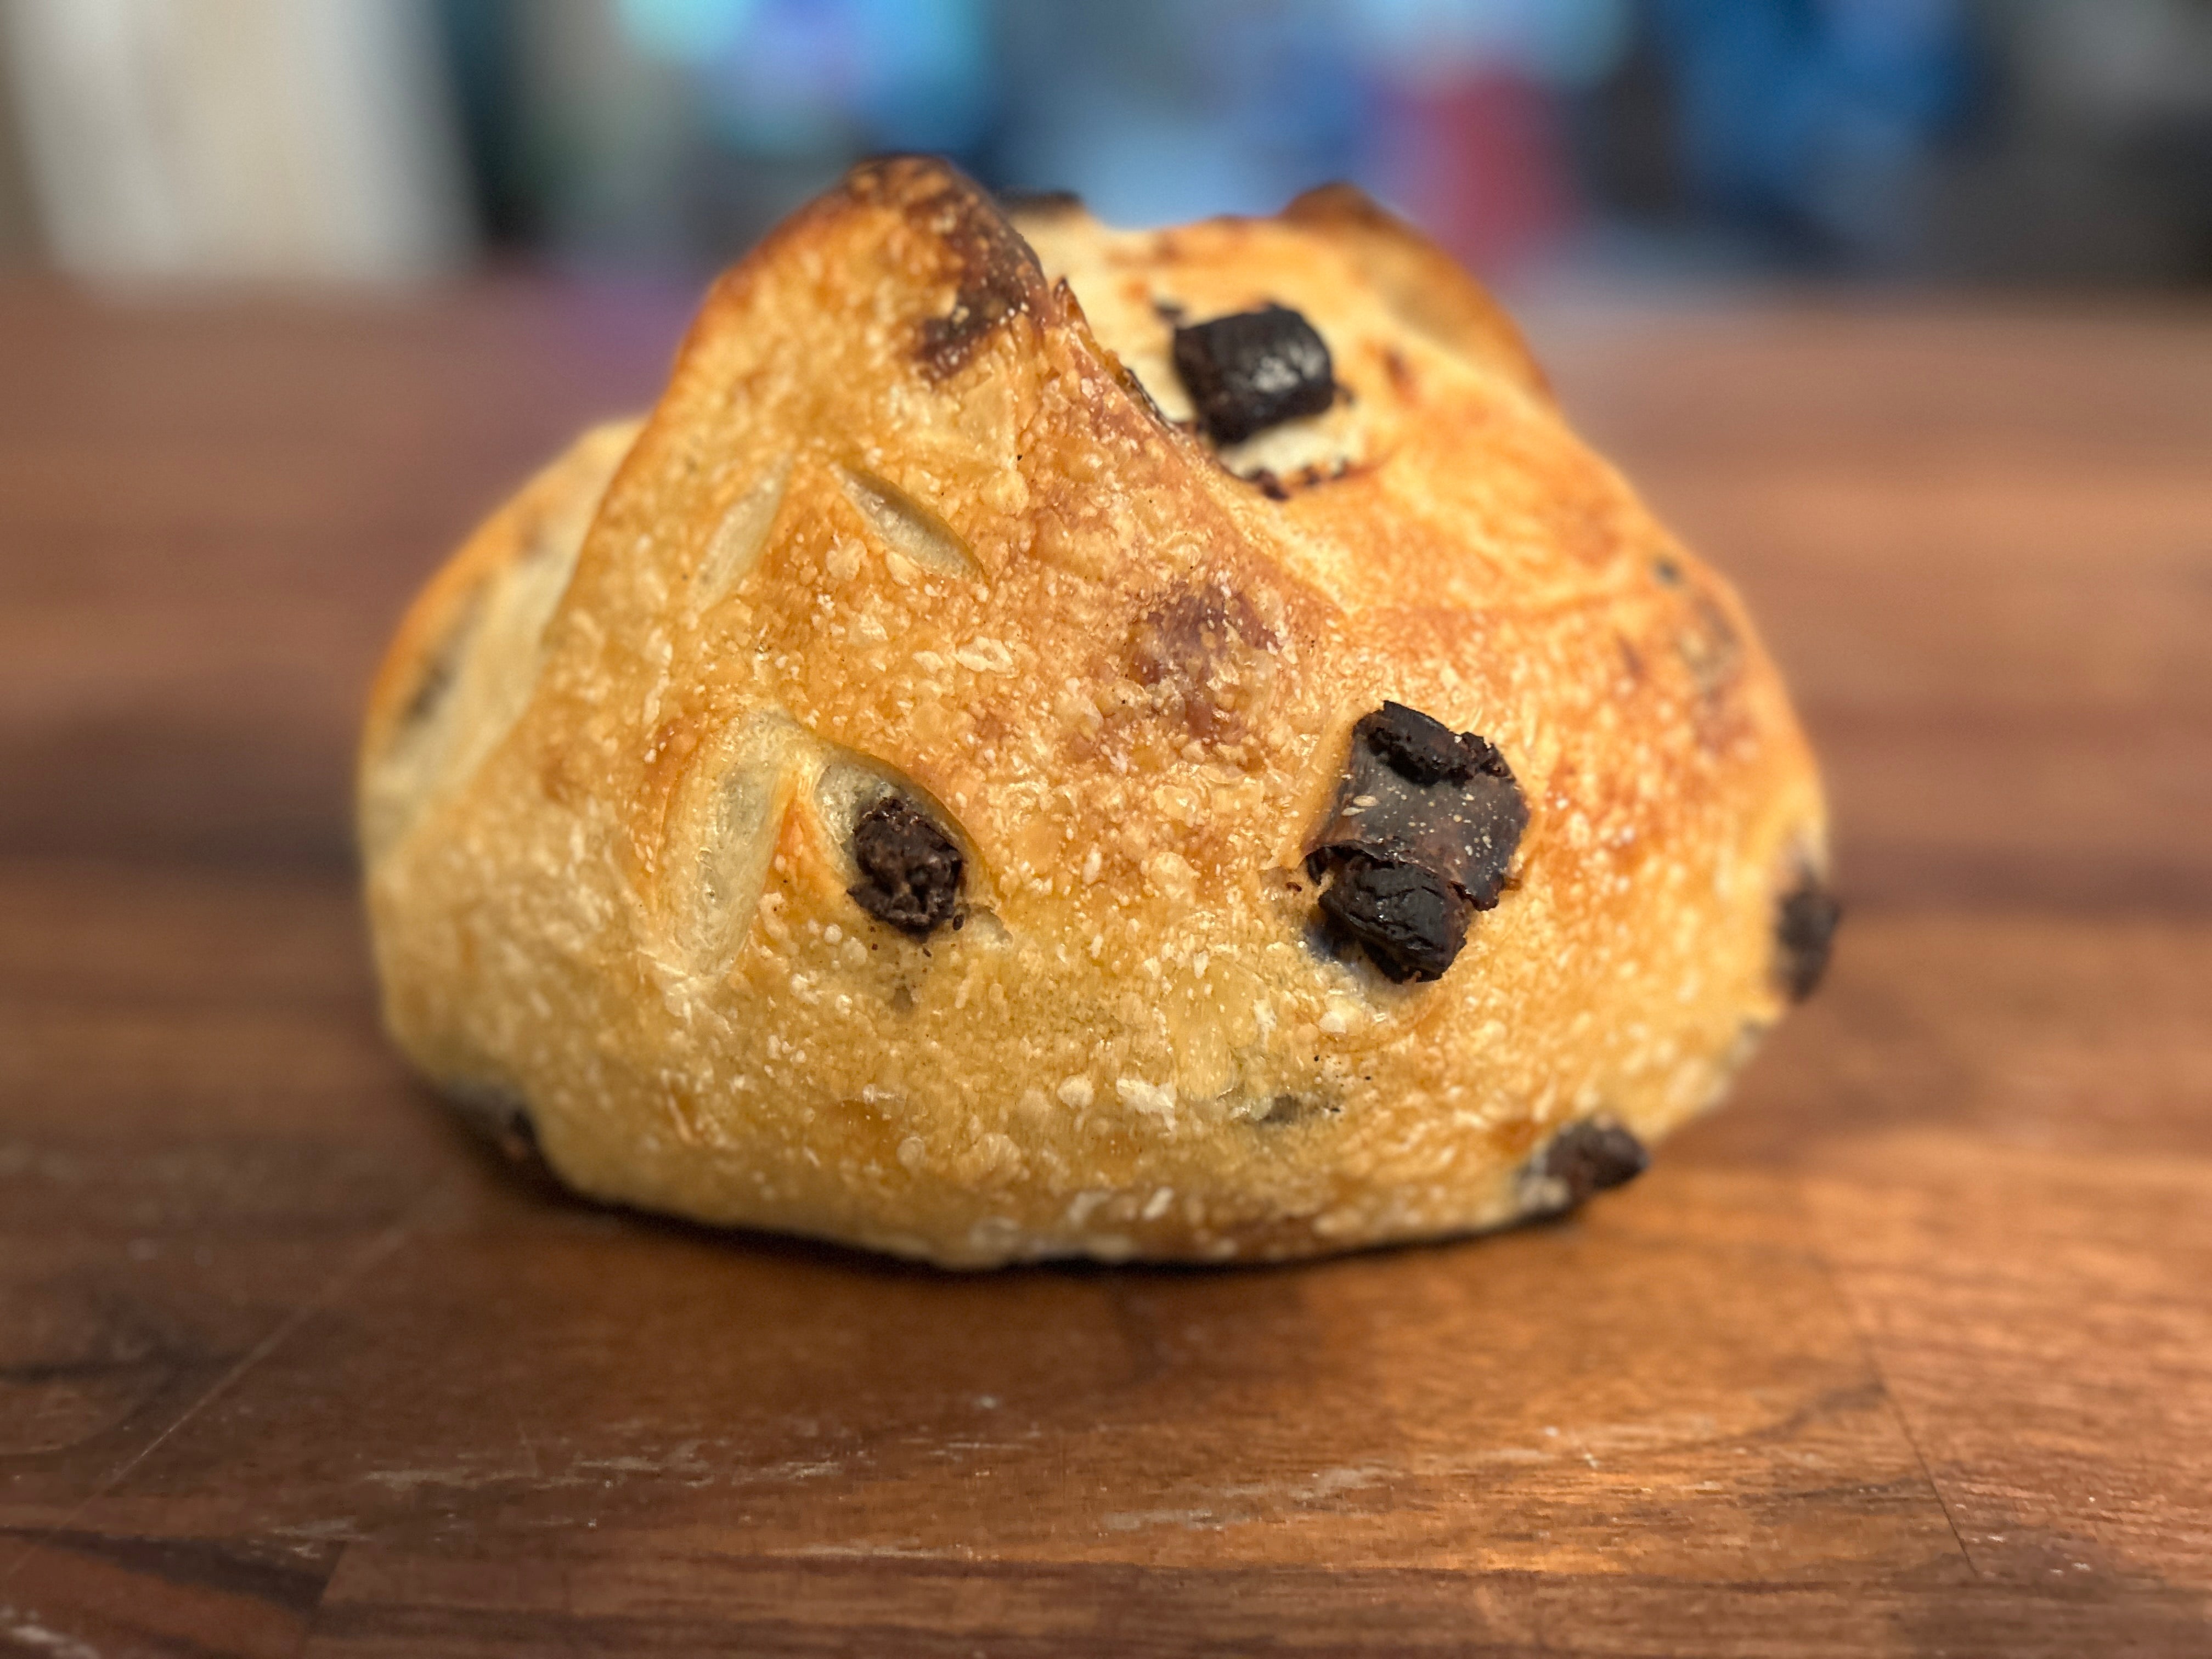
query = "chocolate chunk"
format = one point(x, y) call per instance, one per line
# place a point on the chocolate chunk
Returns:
point(1410, 796)
point(499, 1115)
point(1253, 370)
point(1412, 922)
point(1422, 750)
point(1441, 809)
point(1582, 1159)
point(1804, 931)
point(913, 869)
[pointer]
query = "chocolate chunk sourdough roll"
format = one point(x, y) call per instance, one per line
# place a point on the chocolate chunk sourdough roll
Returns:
point(1050, 741)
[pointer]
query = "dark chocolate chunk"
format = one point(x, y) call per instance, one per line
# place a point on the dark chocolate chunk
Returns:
point(913, 869)
point(1411, 921)
point(1804, 930)
point(1422, 832)
point(1422, 750)
point(1253, 370)
point(499, 1115)
point(1582, 1159)
point(1420, 799)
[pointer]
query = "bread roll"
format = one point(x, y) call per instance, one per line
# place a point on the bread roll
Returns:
point(1050, 741)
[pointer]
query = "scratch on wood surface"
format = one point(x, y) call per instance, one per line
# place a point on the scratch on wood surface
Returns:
point(378, 1250)
point(529, 1451)
point(1859, 1335)
point(904, 1549)
point(1243, 1501)
point(696, 1462)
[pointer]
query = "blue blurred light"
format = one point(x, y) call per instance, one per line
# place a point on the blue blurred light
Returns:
point(1807, 113)
point(924, 80)
point(684, 30)
point(790, 76)
point(1561, 43)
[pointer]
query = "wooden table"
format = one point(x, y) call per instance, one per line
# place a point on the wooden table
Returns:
point(1909, 1351)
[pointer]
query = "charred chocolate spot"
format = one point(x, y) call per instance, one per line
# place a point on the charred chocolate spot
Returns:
point(913, 869)
point(1804, 932)
point(996, 272)
point(983, 302)
point(1252, 370)
point(1203, 646)
point(1288, 1108)
point(1582, 1160)
point(1411, 921)
point(1423, 830)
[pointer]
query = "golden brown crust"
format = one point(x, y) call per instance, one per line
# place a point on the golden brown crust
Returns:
point(466, 653)
point(1429, 291)
point(910, 516)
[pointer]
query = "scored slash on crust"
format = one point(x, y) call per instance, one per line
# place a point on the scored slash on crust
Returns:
point(740, 537)
point(488, 616)
point(895, 853)
point(908, 527)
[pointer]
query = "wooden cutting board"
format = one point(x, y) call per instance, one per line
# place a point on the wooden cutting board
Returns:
point(1909, 1351)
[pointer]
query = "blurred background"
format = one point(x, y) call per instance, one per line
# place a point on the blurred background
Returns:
point(1676, 142)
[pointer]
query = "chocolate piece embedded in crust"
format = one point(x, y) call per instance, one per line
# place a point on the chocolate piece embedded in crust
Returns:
point(913, 869)
point(1423, 749)
point(1416, 797)
point(1804, 933)
point(499, 1115)
point(1411, 921)
point(1582, 1160)
point(1252, 370)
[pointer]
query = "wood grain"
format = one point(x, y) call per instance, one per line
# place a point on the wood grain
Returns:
point(1909, 1351)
